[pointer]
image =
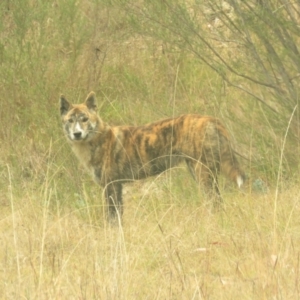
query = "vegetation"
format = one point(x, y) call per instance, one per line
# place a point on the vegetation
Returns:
point(237, 60)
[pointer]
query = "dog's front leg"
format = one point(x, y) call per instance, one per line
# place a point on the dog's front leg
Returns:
point(114, 201)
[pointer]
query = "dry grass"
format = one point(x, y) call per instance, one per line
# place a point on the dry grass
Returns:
point(55, 243)
point(168, 247)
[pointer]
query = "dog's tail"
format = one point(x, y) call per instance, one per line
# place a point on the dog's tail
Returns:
point(231, 168)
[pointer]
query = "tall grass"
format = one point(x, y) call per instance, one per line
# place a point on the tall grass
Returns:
point(55, 242)
point(169, 247)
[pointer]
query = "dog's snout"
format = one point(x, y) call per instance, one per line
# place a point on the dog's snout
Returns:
point(77, 135)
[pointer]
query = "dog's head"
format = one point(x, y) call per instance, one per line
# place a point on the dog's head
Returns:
point(79, 120)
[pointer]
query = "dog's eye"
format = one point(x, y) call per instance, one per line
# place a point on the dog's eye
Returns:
point(70, 120)
point(84, 119)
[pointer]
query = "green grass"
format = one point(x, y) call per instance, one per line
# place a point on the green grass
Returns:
point(173, 244)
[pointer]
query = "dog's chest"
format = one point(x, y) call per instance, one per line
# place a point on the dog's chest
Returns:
point(84, 154)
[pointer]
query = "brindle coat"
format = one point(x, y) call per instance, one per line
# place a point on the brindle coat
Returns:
point(117, 154)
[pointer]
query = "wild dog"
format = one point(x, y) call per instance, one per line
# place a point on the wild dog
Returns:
point(117, 154)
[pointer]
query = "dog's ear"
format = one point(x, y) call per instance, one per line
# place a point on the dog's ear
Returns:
point(90, 101)
point(65, 105)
